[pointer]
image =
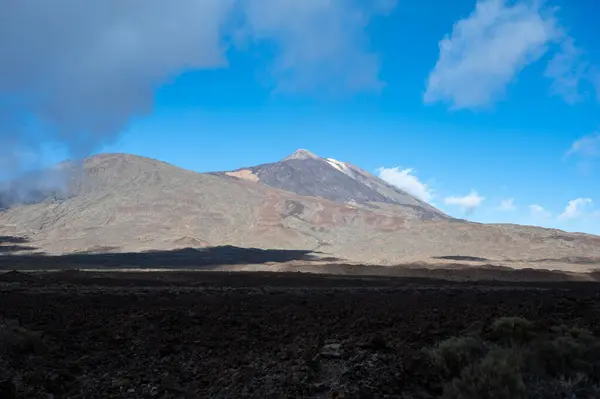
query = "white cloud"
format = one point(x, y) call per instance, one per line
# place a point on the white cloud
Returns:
point(405, 180)
point(538, 212)
point(319, 44)
point(487, 50)
point(85, 69)
point(586, 146)
point(468, 203)
point(568, 71)
point(576, 209)
point(507, 204)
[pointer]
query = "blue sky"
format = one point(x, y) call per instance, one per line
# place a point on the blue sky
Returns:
point(487, 109)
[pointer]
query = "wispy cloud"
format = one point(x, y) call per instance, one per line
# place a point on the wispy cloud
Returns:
point(586, 146)
point(468, 203)
point(319, 44)
point(507, 205)
point(539, 213)
point(576, 209)
point(568, 71)
point(486, 50)
point(406, 180)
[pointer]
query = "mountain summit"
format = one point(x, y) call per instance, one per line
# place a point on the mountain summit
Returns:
point(307, 174)
point(127, 203)
point(301, 154)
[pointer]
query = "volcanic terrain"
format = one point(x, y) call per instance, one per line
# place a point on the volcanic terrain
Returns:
point(397, 281)
point(125, 203)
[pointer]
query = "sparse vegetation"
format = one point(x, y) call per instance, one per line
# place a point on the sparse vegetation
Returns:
point(513, 331)
point(514, 359)
point(453, 355)
point(17, 342)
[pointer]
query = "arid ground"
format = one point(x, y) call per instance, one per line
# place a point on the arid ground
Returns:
point(122, 203)
point(251, 335)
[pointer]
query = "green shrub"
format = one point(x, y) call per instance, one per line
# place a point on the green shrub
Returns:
point(519, 362)
point(454, 354)
point(570, 352)
point(497, 376)
point(513, 330)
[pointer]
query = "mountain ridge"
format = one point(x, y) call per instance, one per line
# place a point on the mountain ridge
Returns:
point(131, 204)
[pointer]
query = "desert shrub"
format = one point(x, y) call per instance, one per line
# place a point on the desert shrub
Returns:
point(17, 342)
point(454, 354)
point(513, 330)
point(567, 353)
point(519, 362)
point(497, 376)
point(578, 386)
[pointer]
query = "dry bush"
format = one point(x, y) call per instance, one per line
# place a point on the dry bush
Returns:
point(517, 361)
point(513, 330)
point(578, 386)
point(567, 353)
point(452, 355)
point(498, 375)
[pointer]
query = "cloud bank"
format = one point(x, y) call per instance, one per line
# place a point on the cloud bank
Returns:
point(77, 72)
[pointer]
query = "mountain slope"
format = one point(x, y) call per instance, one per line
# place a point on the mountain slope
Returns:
point(128, 203)
point(304, 173)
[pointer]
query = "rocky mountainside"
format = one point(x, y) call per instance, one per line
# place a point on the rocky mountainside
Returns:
point(305, 173)
point(128, 203)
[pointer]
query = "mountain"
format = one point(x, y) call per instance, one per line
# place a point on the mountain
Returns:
point(128, 203)
point(304, 173)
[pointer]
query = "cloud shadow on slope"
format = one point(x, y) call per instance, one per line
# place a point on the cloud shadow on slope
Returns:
point(13, 245)
point(201, 258)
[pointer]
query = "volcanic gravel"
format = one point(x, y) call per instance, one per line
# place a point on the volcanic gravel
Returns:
point(260, 335)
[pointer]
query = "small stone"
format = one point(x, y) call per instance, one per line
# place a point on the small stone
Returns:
point(320, 387)
point(331, 351)
point(120, 382)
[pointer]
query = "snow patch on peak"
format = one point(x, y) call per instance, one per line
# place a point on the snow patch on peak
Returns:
point(302, 154)
point(341, 166)
point(336, 164)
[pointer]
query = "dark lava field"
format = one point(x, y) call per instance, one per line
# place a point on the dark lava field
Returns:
point(75, 334)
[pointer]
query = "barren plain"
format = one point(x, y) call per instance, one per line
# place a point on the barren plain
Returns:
point(254, 335)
